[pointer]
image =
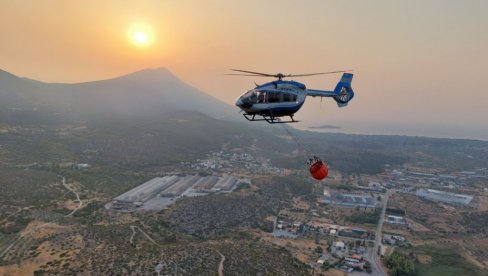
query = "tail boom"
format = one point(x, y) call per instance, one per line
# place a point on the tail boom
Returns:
point(342, 93)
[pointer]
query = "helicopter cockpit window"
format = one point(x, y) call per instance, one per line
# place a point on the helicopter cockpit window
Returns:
point(274, 97)
point(261, 97)
point(287, 97)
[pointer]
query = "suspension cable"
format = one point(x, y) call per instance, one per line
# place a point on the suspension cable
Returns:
point(295, 139)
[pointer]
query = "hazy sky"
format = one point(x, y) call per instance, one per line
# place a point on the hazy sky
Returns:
point(415, 62)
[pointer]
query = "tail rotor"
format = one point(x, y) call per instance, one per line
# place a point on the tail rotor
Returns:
point(343, 92)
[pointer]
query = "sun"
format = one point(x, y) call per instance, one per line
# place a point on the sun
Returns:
point(140, 37)
point(140, 34)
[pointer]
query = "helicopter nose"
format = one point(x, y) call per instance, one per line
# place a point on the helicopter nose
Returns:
point(239, 102)
point(242, 104)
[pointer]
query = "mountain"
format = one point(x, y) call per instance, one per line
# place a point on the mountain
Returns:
point(143, 93)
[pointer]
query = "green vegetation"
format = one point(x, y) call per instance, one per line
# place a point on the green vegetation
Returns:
point(108, 181)
point(25, 187)
point(15, 223)
point(367, 267)
point(294, 184)
point(256, 258)
point(6, 240)
point(445, 261)
point(326, 265)
point(242, 186)
point(476, 222)
point(215, 215)
point(399, 264)
point(124, 152)
point(365, 216)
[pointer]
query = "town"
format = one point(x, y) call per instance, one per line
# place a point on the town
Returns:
point(351, 223)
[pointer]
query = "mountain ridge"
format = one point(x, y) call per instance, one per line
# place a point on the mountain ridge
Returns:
point(150, 91)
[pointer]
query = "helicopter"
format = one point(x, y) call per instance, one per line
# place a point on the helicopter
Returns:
point(280, 98)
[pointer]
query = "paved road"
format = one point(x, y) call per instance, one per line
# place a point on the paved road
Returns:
point(376, 263)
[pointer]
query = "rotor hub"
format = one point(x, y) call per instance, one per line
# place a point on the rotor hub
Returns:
point(280, 76)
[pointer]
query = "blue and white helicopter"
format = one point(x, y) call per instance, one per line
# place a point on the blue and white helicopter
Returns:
point(282, 98)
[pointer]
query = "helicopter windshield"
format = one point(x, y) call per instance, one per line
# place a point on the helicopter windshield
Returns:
point(249, 97)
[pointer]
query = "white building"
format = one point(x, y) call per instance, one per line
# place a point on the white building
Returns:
point(322, 259)
point(373, 184)
point(445, 197)
point(143, 192)
point(339, 245)
point(395, 219)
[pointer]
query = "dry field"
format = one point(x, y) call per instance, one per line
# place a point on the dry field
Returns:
point(302, 249)
point(46, 252)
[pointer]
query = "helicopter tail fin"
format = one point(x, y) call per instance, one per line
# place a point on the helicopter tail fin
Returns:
point(343, 92)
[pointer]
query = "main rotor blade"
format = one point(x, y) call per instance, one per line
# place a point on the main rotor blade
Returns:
point(251, 72)
point(245, 75)
point(313, 74)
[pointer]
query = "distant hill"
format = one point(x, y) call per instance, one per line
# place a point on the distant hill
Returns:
point(151, 118)
point(143, 93)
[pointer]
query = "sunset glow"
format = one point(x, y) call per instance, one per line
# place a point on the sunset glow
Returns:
point(413, 55)
point(141, 34)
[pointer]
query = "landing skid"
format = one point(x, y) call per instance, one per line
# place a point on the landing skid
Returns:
point(269, 119)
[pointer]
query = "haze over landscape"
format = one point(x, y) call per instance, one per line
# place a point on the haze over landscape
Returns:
point(123, 151)
point(418, 65)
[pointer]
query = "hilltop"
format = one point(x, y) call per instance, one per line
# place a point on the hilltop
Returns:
point(149, 92)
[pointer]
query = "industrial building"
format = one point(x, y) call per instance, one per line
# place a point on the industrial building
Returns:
point(225, 183)
point(205, 184)
point(395, 219)
point(135, 197)
point(159, 192)
point(445, 197)
point(350, 200)
point(180, 186)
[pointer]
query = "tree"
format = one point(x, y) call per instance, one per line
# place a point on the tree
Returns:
point(326, 265)
point(399, 264)
point(367, 267)
point(319, 249)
